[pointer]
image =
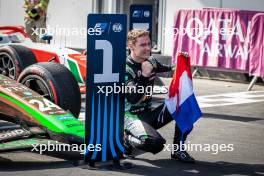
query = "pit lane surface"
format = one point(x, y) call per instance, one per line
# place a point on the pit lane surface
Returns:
point(230, 116)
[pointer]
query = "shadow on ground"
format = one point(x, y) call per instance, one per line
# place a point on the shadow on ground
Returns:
point(158, 167)
point(170, 167)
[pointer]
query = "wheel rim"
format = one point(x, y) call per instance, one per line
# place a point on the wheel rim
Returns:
point(37, 84)
point(7, 66)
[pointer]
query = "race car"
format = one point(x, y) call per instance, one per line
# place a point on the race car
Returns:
point(27, 119)
point(18, 52)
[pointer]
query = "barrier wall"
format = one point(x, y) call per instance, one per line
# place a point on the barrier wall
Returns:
point(221, 38)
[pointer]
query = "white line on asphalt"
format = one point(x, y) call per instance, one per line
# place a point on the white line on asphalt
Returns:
point(230, 99)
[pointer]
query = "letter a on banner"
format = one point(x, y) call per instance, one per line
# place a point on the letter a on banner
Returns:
point(106, 53)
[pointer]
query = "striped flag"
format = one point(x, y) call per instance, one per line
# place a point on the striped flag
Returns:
point(182, 103)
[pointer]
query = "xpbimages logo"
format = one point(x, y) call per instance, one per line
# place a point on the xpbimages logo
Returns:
point(187, 146)
point(61, 147)
point(148, 90)
point(98, 29)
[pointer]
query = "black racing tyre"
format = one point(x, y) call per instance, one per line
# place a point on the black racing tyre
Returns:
point(14, 59)
point(54, 82)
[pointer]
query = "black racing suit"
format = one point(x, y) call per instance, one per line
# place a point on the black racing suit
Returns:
point(141, 120)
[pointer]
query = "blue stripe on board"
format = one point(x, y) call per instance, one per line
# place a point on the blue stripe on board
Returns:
point(104, 147)
point(112, 147)
point(117, 127)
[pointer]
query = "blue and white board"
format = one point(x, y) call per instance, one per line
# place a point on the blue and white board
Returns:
point(141, 17)
point(104, 119)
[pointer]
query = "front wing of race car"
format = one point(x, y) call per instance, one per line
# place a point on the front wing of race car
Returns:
point(35, 119)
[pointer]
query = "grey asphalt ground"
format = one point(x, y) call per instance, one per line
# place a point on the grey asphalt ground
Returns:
point(241, 125)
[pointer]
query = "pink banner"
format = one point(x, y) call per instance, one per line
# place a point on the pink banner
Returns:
point(218, 38)
point(256, 54)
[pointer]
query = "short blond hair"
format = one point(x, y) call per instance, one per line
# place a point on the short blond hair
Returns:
point(134, 34)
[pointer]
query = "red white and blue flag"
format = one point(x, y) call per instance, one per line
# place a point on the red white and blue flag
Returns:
point(182, 103)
